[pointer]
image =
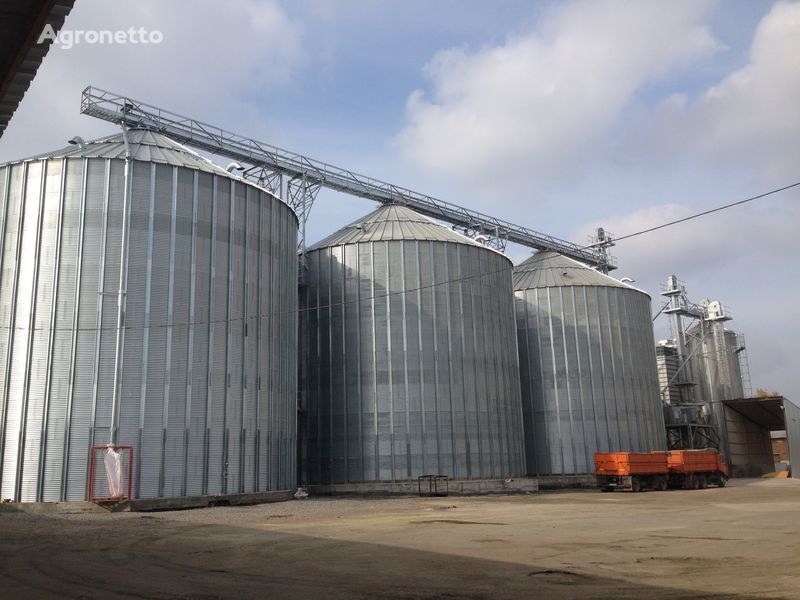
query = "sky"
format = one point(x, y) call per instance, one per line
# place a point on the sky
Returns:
point(560, 116)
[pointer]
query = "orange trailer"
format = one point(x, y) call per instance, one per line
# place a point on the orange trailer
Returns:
point(631, 470)
point(695, 469)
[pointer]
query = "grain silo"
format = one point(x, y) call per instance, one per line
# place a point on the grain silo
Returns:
point(408, 351)
point(588, 365)
point(147, 298)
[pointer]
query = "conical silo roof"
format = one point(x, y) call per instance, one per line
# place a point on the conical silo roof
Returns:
point(144, 145)
point(551, 269)
point(393, 222)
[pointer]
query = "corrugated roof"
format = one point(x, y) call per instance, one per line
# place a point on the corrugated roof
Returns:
point(145, 146)
point(551, 269)
point(393, 222)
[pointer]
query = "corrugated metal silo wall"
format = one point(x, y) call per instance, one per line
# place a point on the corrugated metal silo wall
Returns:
point(791, 414)
point(589, 377)
point(208, 367)
point(411, 367)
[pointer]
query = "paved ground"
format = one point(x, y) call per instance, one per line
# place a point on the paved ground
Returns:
point(739, 542)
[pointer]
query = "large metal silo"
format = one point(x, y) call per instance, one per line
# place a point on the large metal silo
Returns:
point(408, 360)
point(588, 364)
point(147, 298)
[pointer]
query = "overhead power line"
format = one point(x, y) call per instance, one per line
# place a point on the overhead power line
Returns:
point(706, 212)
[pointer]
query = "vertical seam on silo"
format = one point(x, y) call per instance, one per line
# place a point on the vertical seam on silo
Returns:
point(389, 364)
point(3, 399)
point(51, 336)
point(629, 375)
point(614, 382)
point(512, 375)
point(262, 199)
point(101, 280)
point(225, 475)
point(146, 331)
point(486, 364)
point(12, 317)
point(566, 376)
point(504, 359)
point(320, 398)
point(243, 325)
point(463, 252)
point(283, 417)
point(660, 431)
point(611, 446)
point(210, 350)
point(418, 284)
point(555, 377)
point(528, 388)
point(122, 301)
point(23, 428)
point(460, 281)
point(344, 390)
point(190, 341)
point(475, 290)
point(405, 357)
point(591, 368)
point(270, 379)
point(74, 340)
point(272, 315)
point(548, 467)
point(331, 402)
point(491, 374)
point(376, 445)
point(435, 360)
point(579, 365)
point(165, 423)
point(449, 321)
point(359, 387)
point(629, 417)
point(246, 318)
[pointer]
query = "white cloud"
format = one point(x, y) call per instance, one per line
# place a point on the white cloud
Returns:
point(746, 257)
point(541, 101)
point(750, 118)
point(209, 62)
point(741, 237)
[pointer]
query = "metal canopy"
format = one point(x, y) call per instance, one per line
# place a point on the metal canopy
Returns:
point(766, 412)
point(268, 165)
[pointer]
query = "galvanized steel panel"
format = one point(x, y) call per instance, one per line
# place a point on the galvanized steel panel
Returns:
point(204, 301)
point(587, 360)
point(409, 362)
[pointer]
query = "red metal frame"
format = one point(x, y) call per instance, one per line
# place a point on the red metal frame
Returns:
point(90, 483)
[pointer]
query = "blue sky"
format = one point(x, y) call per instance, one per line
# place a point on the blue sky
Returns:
point(561, 116)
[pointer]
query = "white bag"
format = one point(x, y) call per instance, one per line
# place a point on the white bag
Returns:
point(113, 473)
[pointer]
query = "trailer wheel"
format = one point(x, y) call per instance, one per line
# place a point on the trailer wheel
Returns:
point(661, 485)
point(636, 485)
point(606, 489)
point(702, 482)
point(722, 481)
point(695, 482)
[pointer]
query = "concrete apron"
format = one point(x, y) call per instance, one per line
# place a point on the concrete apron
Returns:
point(147, 504)
point(455, 487)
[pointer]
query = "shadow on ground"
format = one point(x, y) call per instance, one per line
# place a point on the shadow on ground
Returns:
point(145, 557)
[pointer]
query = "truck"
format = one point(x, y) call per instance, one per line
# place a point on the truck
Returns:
point(636, 471)
point(695, 469)
point(633, 471)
